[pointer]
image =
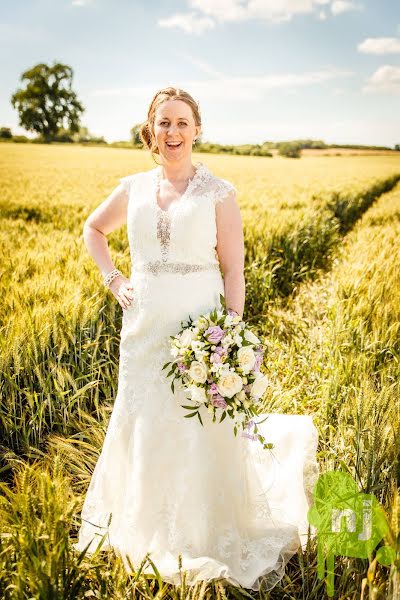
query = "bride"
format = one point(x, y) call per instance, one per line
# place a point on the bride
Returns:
point(164, 484)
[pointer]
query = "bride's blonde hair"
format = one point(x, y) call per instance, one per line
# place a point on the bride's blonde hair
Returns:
point(146, 132)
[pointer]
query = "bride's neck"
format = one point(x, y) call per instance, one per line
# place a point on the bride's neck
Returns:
point(178, 172)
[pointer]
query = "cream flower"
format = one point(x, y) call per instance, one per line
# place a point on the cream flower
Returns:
point(186, 337)
point(259, 386)
point(198, 394)
point(246, 358)
point(250, 337)
point(198, 371)
point(227, 341)
point(230, 383)
point(201, 323)
point(241, 395)
point(238, 340)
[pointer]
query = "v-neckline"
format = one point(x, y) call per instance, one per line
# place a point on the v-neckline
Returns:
point(157, 177)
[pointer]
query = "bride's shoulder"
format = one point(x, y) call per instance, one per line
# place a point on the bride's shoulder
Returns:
point(134, 178)
point(221, 188)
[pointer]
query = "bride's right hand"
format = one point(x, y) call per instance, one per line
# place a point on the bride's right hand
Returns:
point(122, 290)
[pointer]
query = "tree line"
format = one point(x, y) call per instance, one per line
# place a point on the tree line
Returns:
point(48, 106)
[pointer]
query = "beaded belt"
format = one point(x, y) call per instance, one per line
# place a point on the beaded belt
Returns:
point(173, 267)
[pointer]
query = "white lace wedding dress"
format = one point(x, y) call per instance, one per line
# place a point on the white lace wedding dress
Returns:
point(232, 509)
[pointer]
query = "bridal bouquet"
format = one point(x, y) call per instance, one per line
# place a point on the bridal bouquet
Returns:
point(217, 360)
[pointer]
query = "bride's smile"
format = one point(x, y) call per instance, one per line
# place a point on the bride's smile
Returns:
point(175, 132)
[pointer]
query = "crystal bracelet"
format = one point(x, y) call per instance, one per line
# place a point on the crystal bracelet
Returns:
point(111, 276)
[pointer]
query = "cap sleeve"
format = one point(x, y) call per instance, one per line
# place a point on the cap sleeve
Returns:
point(126, 183)
point(223, 189)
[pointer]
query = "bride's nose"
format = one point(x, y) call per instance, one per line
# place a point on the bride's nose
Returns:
point(171, 129)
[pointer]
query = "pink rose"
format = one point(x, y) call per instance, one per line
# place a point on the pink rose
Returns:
point(219, 401)
point(214, 334)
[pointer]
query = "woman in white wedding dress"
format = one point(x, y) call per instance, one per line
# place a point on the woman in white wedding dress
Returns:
point(230, 508)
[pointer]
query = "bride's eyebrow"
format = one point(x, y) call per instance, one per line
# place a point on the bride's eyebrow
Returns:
point(179, 118)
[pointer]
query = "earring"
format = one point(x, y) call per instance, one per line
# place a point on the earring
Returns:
point(194, 141)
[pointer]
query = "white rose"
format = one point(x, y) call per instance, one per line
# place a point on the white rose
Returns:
point(186, 338)
point(230, 383)
point(259, 386)
point(198, 371)
point(250, 337)
point(246, 358)
point(198, 394)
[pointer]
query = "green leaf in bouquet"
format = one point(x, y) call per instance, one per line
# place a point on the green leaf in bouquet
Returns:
point(171, 372)
point(263, 420)
point(235, 430)
point(192, 414)
point(172, 387)
point(198, 414)
point(188, 407)
point(166, 365)
point(222, 300)
point(223, 416)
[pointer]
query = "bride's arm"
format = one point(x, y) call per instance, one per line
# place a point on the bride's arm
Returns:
point(230, 250)
point(108, 216)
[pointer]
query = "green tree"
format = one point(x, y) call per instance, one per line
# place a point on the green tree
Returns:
point(5, 132)
point(135, 138)
point(289, 149)
point(47, 103)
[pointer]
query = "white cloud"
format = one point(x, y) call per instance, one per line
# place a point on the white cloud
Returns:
point(188, 22)
point(244, 88)
point(383, 45)
point(222, 10)
point(267, 10)
point(385, 80)
point(236, 11)
point(341, 6)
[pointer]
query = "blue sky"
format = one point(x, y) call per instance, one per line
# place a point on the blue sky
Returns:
point(260, 69)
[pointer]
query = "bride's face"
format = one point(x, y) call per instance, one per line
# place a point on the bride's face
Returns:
point(174, 123)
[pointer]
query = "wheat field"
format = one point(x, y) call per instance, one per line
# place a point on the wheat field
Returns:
point(322, 288)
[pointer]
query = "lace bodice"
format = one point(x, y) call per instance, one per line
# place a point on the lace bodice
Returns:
point(186, 232)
